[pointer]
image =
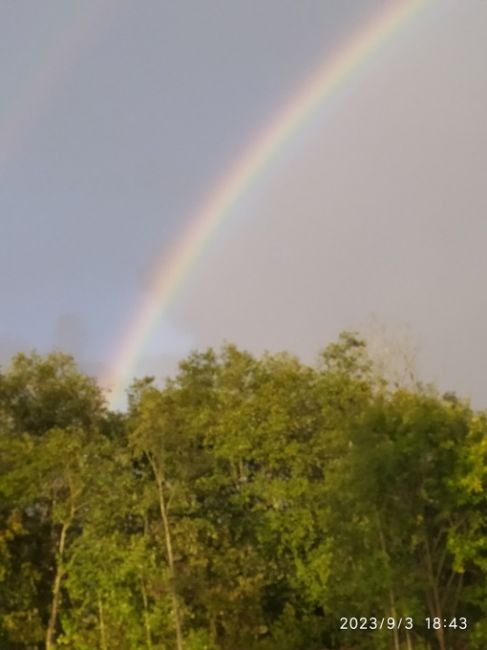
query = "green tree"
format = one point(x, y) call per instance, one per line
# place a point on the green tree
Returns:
point(46, 407)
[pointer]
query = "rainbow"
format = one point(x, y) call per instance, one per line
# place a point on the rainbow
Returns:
point(171, 275)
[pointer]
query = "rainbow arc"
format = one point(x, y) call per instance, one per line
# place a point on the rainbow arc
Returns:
point(171, 275)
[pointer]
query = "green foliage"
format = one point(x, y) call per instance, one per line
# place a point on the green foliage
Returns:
point(248, 504)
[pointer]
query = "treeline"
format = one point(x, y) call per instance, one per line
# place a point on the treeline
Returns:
point(249, 504)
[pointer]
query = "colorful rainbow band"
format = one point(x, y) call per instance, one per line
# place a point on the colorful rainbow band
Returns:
point(170, 276)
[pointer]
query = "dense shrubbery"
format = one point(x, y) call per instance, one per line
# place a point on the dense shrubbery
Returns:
point(249, 504)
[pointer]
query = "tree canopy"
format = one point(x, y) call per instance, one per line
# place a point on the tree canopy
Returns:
point(246, 504)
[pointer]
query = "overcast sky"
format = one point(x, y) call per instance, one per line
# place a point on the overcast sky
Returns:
point(116, 118)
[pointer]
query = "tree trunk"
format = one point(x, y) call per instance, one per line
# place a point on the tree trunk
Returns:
point(436, 610)
point(101, 620)
point(392, 604)
point(56, 588)
point(409, 645)
point(392, 597)
point(170, 556)
point(148, 631)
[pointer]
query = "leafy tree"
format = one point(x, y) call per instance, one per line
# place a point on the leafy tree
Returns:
point(46, 408)
point(247, 504)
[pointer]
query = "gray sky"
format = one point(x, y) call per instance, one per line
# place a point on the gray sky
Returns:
point(117, 117)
